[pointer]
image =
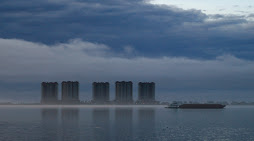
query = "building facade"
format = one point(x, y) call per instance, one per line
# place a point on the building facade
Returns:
point(49, 92)
point(123, 91)
point(146, 92)
point(100, 92)
point(70, 92)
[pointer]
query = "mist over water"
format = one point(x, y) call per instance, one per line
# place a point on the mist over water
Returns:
point(125, 123)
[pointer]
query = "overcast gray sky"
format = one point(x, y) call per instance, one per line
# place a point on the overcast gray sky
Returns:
point(190, 54)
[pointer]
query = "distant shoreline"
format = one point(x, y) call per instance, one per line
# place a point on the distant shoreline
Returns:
point(90, 105)
point(79, 106)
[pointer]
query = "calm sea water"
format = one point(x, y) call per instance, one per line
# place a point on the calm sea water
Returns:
point(125, 123)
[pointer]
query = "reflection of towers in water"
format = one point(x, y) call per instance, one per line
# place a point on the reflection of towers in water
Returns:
point(123, 124)
point(146, 123)
point(101, 123)
point(49, 118)
point(70, 124)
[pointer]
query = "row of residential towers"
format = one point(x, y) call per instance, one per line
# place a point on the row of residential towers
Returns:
point(70, 92)
point(101, 94)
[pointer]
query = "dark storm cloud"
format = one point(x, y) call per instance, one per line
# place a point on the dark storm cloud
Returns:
point(251, 15)
point(152, 30)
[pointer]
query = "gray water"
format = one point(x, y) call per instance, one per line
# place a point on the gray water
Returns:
point(125, 123)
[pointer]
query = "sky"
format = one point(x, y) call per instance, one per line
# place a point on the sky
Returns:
point(193, 50)
point(226, 7)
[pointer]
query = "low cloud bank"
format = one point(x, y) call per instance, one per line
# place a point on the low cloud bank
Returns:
point(28, 62)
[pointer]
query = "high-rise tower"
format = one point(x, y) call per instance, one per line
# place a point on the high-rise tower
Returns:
point(70, 92)
point(100, 92)
point(146, 92)
point(49, 92)
point(123, 92)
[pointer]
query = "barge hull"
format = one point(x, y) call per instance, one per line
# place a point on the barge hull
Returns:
point(201, 106)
